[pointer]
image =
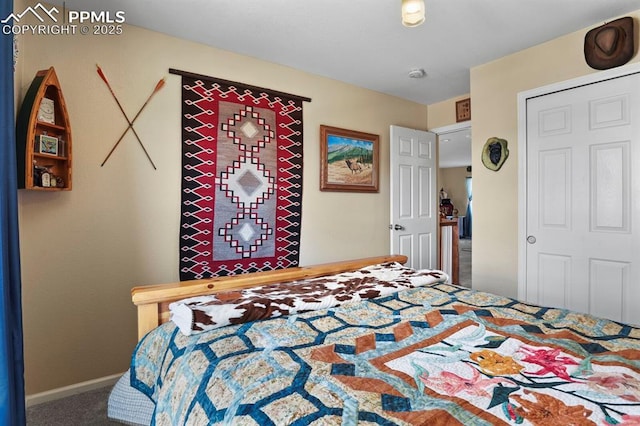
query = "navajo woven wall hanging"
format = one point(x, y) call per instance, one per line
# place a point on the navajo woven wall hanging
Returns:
point(241, 178)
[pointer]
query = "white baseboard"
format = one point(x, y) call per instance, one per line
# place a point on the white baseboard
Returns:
point(53, 394)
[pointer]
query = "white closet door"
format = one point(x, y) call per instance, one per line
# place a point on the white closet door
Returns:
point(583, 199)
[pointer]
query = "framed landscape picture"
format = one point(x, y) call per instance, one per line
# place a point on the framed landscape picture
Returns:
point(348, 160)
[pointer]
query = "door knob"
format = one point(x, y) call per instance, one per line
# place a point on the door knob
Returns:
point(531, 239)
point(398, 227)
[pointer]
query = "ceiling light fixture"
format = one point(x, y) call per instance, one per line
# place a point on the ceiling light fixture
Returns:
point(412, 12)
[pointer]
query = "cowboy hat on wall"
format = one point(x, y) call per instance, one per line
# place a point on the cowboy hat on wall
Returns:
point(610, 45)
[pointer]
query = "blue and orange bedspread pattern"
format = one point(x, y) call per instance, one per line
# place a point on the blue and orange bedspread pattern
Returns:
point(432, 355)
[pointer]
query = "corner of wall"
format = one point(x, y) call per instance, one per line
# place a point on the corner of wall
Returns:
point(443, 113)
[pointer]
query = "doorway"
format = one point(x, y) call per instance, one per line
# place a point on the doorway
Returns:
point(455, 182)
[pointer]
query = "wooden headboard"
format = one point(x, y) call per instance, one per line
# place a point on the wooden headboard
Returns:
point(153, 301)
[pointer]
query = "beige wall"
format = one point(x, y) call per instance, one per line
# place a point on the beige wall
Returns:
point(444, 113)
point(453, 180)
point(494, 90)
point(83, 250)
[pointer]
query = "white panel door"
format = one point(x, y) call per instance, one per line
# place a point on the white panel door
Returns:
point(583, 199)
point(414, 216)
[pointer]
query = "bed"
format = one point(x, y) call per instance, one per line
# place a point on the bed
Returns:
point(409, 349)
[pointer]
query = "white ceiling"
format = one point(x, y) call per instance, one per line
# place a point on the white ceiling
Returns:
point(362, 42)
point(454, 148)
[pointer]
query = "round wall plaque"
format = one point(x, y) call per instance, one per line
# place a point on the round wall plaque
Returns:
point(494, 153)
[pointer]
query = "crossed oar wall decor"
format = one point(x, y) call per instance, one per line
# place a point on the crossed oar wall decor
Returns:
point(130, 122)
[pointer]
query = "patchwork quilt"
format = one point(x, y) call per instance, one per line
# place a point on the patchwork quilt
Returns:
point(437, 354)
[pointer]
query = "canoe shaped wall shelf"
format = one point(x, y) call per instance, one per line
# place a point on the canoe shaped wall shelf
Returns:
point(43, 136)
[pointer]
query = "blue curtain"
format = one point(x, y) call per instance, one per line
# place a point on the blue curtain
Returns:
point(12, 409)
point(468, 216)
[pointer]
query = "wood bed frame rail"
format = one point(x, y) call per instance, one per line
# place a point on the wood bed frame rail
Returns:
point(153, 301)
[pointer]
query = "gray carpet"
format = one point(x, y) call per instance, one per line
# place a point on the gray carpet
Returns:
point(84, 409)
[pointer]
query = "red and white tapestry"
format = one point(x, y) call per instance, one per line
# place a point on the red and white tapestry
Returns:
point(241, 178)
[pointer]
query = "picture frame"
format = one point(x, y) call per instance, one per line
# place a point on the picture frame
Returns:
point(47, 145)
point(463, 110)
point(348, 160)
